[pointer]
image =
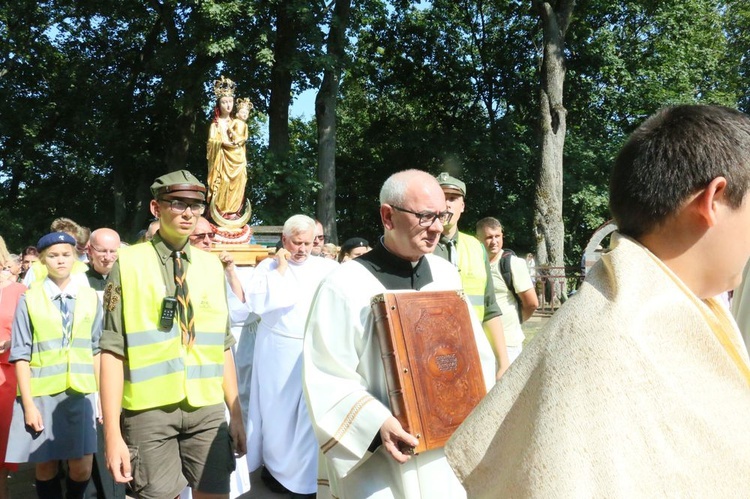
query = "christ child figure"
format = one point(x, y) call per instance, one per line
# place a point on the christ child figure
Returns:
point(238, 129)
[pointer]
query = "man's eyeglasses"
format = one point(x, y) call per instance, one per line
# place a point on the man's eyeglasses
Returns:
point(427, 218)
point(103, 251)
point(320, 238)
point(204, 235)
point(179, 206)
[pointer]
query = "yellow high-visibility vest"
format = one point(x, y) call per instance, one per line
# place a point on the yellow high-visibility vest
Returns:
point(41, 272)
point(472, 270)
point(55, 368)
point(160, 370)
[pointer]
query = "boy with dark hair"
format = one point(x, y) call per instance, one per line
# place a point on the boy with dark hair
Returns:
point(673, 155)
point(639, 385)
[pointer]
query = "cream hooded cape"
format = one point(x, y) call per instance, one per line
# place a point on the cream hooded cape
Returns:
point(634, 389)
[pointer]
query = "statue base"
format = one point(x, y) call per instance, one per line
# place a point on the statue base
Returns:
point(236, 242)
point(231, 236)
point(243, 255)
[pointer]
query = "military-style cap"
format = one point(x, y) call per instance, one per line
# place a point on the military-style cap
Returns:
point(55, 238)
point(179, 184)
point(451, 184)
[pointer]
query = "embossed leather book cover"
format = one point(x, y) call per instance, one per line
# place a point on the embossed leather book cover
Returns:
point(431, 362)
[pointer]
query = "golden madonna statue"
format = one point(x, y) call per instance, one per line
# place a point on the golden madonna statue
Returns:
point(229, 211)
point(226, 155)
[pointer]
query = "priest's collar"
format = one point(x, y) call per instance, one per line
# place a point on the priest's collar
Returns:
point(92, 272)
point(394, 272)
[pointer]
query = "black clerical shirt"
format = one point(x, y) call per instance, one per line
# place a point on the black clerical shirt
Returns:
point(96, 280)
point(394, 272)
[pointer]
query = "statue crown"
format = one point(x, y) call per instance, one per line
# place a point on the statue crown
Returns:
point(243, 103)
point(224, 87)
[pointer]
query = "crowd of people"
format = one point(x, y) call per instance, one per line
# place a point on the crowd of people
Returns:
point(267, 306)
point(162, 366)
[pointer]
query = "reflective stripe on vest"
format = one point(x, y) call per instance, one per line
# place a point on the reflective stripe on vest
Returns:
point(53, 368)
point(160, 370)
point(473, 271)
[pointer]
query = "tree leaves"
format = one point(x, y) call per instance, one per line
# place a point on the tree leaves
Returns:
point(98, 97)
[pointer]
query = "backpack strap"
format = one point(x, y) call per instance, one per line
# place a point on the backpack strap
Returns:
point(507, 275)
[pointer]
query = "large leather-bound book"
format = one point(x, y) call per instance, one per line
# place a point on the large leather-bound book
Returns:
point(432, 366)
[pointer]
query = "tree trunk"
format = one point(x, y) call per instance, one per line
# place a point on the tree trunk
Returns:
point(549, 229)
point(121, 158)
point(284, 49)
point(325, 115)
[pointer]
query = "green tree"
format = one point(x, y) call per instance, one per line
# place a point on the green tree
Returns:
point(112, 93)
point(438, 87)
point(625, 61)
point(98, 98)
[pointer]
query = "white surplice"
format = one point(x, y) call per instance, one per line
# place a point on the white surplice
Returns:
point(279, 432)
point(741, 306)
point(347, 394)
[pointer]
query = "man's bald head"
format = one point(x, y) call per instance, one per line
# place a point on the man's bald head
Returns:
point(103, 246)
point(412, 209)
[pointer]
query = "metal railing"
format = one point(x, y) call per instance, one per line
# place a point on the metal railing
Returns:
point(554, 285)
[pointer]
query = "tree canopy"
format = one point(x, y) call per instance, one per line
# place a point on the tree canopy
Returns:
point(99, 97)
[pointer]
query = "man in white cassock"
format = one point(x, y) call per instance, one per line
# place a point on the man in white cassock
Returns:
point(639, 386)
point(279, 430)
point(344, 379)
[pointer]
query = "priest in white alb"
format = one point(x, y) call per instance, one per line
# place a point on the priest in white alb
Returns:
point(279, 432)
point(344, 379)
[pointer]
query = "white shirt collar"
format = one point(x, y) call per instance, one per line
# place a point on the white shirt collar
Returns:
point(53, 290)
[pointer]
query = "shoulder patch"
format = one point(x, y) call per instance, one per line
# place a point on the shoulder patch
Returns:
point(111, 296)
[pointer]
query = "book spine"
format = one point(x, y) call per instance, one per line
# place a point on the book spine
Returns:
point(381, 320)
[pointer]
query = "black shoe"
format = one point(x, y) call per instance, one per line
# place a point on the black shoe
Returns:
point(271, 483)
point(303, 496)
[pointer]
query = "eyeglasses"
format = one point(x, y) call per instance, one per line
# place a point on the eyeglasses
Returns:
point(320, 238)
point(179, 206)
point(204, 235)
point(103, 251)
point(427, 218)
